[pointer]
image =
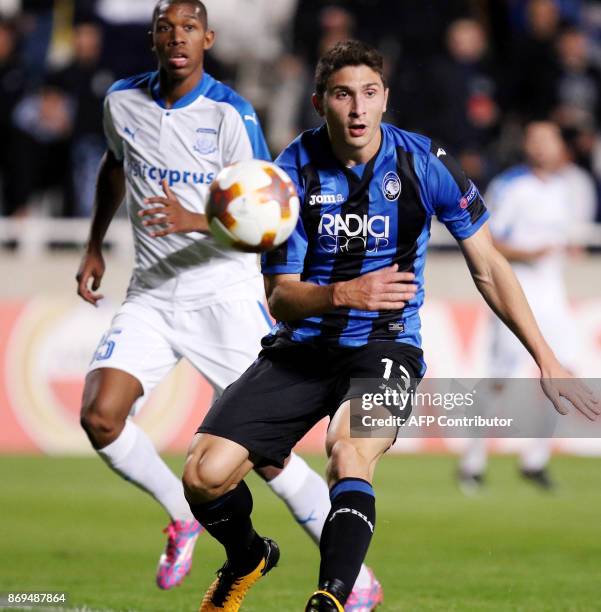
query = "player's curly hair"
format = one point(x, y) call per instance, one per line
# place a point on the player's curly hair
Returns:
point(347, 53)
point(162, 5)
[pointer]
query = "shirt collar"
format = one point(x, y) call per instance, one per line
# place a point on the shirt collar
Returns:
point(200, 90)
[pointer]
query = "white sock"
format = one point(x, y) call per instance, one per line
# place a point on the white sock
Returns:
point(305, 493)
point(134, 457)
point(536, 454)
point(363, 579)
point(475, 457)
point(307, 496)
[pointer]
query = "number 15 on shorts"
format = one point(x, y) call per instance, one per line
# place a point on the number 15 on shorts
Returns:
point(107, 346)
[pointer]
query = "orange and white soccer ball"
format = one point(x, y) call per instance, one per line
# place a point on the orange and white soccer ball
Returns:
point(253, 206)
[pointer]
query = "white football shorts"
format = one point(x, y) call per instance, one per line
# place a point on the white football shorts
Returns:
point(220, 340)
point(509, 359)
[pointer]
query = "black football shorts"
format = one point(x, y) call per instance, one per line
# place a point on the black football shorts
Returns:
point(292, 385)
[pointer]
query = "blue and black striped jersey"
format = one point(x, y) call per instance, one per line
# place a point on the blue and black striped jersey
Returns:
point(358, 220)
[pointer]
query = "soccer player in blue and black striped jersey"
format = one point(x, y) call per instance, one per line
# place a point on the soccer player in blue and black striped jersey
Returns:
point(346, 290)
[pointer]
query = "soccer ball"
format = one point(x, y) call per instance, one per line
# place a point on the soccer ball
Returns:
point(253, 206)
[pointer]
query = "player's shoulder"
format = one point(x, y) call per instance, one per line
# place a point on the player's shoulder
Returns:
point(309, 146)
point(220, 93)
point(513, 174)
point(133, 83)
point(504, 187)
point(409, 141)
point(512, 177)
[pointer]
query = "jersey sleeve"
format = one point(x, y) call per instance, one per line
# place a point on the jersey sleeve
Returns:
point(113, 140)
point(454, 198)
point(289, 258)
point(243, 136)
point(255, 133)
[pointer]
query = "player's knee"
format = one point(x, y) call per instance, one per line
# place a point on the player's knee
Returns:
point(204, 481)
point(100, 420)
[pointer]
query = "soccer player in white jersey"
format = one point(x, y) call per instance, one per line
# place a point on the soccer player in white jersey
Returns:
point(169, 133)
point(531, 215)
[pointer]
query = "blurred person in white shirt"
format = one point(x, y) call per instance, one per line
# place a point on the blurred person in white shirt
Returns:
point(533, 216)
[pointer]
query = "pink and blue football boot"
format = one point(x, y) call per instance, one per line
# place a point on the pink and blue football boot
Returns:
point(175, 563)
point(366, 599)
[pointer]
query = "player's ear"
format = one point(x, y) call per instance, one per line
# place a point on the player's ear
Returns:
point(209, 39)
point(386, 92)
point(317, 105)
point(151, 40)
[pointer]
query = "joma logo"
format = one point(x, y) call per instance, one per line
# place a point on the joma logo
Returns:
point(325, 198)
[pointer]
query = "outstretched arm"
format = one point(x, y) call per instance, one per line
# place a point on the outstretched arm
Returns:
point(110, 189)
point(500, 288)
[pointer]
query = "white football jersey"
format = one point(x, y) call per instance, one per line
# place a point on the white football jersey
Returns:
point(528, 213)
point(188, 144)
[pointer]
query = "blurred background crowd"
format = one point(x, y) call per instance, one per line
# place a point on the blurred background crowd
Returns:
point(470, 73)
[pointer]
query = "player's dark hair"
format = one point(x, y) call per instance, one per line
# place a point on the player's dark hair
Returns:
point(347, 53)
point(162, 5)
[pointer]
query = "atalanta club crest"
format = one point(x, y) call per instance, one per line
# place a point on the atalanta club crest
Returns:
point(206, 141)
point(391, 186)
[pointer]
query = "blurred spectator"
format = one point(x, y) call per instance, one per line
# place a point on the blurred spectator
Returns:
point(419, 29)
point(460, 105)
point(411, 29)
point(126, 25)
point(578, 83)
point(591, 24)
point(467, 72)
point(249, 41)
point(9, 8)
point(532, 68)
point(86, 81)
point(317, 26)
point(569, 11)
point(36, 27)
point(40, 147)
point(463, 89)
point(12, 84)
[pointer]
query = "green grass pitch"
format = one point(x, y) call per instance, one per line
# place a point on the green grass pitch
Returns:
point(69, 524)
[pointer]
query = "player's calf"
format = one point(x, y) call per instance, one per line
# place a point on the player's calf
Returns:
point(347, 461)
point(350, 524)
point(346, 535)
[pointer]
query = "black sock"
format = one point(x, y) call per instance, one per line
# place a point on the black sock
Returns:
point(227, 519)
point(346, 535)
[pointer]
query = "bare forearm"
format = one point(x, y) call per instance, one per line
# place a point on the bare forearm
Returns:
point(110, 190)
point(385, 289)
point(503, 293)
point(293, 300)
